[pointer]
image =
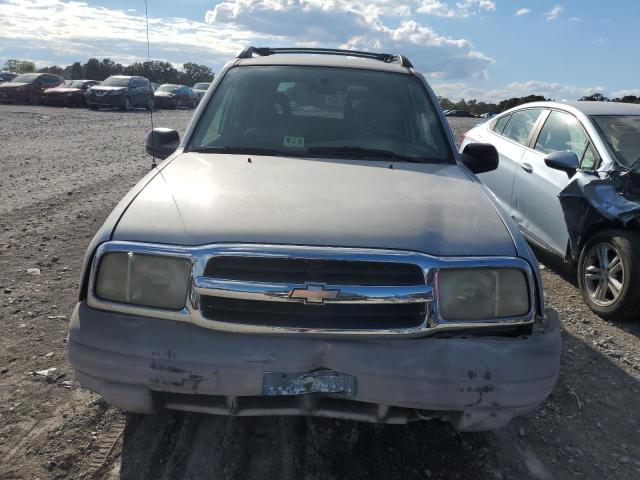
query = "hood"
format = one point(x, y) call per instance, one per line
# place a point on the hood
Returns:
point(211, 198)
point(106, 88)
point(12, 84)
point(163, 94)
point(62, 90)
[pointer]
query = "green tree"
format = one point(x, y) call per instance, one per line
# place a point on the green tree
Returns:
point(54, 69)
point(157, 71)
point(75, 72)
point(193, 73)
point(19, 66)
point(596, 97)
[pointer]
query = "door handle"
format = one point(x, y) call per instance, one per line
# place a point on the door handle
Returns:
point(526, 167)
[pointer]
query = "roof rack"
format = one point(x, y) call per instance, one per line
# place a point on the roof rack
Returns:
point(382, 57)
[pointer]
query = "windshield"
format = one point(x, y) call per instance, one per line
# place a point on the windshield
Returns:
point(322, 111)
point(201, 86)
point(116, 82)
point(168, 88)
point(622, 134)
point(74, 84)
point(26, 78)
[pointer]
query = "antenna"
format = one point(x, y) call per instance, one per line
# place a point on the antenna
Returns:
point(146, 17)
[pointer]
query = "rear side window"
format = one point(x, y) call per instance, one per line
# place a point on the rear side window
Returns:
point(562, 132)
point(499, 124)
point(520, 124)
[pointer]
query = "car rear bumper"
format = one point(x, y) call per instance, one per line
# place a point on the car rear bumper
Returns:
point(477, 383)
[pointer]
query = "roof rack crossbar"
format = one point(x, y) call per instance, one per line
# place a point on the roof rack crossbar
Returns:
point(382, 57)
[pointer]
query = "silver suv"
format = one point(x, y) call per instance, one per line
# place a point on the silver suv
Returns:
point(315, 245)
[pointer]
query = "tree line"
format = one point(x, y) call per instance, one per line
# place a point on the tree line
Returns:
point(478, 108)
point(157, 71)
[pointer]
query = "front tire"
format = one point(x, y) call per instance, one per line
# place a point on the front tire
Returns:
point(609, 274)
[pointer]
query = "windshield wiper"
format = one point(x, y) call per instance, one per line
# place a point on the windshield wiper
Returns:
point(244, 150)
point(359, 152)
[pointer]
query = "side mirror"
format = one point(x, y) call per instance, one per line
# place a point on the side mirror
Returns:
point(565, 161)
point(480, 157)
point(162, 142)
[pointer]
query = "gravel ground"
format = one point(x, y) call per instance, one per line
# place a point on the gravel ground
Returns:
point(63, 170)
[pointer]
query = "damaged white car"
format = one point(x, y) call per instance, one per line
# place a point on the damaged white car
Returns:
point(569, 176)
point(315, 245)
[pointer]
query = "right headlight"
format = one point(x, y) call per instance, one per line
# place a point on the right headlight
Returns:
point(146, 280)
point(482, 294)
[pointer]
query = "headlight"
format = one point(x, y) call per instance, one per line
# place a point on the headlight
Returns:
point(482, 294)
point(146, 280)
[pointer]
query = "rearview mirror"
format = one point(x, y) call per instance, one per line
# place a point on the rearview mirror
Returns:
point(566, 161)
point(162, 142)
point(480, 157)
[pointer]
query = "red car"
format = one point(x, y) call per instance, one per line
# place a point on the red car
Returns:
point(28, 87)
point(70, 93)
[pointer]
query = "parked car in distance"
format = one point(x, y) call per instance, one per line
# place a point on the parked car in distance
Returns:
point(173, 96)
point(488, 115)
point(459, 113)
point(339, 260)
point(200, 89)
point(7, 76)
point(569, 177)
point(28, 87)
point(70, 93)
point(121, 91)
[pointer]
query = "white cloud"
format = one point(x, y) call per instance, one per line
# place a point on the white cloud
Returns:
point(357, 24)
point(554, 13)
point(462, 8)
point(628, 91)
point(575, 19)
point(522, 11)
point(457, 90)
point(65, 30)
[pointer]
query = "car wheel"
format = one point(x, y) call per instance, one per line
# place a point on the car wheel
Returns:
point(126, 104)
point(609, 274)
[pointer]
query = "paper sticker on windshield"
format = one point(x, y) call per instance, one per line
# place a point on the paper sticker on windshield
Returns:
point(337, 100)
point(294, 142)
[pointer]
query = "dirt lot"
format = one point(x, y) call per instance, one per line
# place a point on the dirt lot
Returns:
point(62, 171)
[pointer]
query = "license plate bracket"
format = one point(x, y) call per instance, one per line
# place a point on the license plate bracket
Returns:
point(302, 383)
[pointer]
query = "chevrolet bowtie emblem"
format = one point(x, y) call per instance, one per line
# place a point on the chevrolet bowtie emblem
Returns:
point(314, 294)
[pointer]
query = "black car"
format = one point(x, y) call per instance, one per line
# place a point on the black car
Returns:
point(7, 76)
point(200, 89)
point(123, 92)
point(459, 113)
point(173, 96)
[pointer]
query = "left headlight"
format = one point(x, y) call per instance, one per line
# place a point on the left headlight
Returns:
point(482, 294)
point(145, 280)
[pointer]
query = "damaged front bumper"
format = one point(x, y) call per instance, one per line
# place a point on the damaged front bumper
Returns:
point(476, 383)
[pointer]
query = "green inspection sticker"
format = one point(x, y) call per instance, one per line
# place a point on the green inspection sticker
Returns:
point(293, 142)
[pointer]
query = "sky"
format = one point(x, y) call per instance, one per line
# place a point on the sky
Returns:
point(483, 49)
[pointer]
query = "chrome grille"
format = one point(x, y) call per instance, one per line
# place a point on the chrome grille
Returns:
point(313, 270)
point(313, 293)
